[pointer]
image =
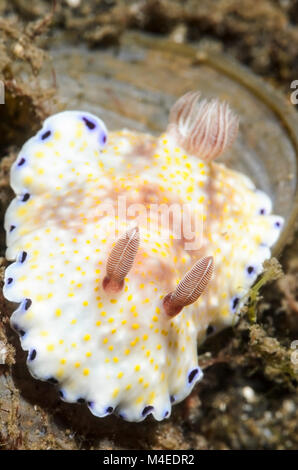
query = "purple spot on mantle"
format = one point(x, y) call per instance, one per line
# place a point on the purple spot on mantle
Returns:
point(250, 269)
point(210, 330)
point(25, 197)
point(21, 162)
point(23, 256)
point(90, 124)
point(147, 410)
point(52, 380)
point(27, 304)
point(192, 375)
point(235, 302)
point(19, 330)
point(32, 355)
point(45, 135)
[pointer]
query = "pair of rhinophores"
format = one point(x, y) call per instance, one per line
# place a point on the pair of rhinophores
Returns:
point(109, 307)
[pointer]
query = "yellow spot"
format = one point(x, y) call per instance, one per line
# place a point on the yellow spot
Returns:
point(50, 347)
point(86, 371)
point(135, 326)
point(105, 340)
point(79, 133)
point(39, 154)
point(85, 303)
point(58, 312)
point(44, 333)
point(62, 361)
point(28, 180)
point(77, 365)
point(60, 373)
point(137, 367)
point(73, 322)
point(113, 301)
point(88, 354)
point(115, 392)
point(29, 316)
point(224, 312)
point(120, 375)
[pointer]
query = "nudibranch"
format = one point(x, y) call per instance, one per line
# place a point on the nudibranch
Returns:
point(128, 250)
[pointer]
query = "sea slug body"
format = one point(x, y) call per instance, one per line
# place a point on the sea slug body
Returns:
point(113, 302)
